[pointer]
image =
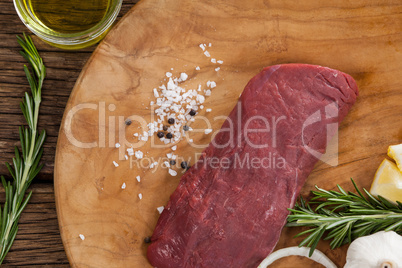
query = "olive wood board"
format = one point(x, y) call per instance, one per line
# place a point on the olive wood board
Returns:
point(361, 38)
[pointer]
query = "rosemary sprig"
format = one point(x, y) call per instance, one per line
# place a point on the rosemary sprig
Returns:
point(344, 216)
point(25, 165)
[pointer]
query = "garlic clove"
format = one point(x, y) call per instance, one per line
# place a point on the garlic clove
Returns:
point(379, 250)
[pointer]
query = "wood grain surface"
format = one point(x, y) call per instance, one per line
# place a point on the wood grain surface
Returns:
point(38, 243)
point(361, 38)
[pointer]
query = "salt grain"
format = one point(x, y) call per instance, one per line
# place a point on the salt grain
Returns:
point(168, 74)
point(139, 154)
point(174, 148)
point(211, 84)
point(123, 186)
point(183, 76)
point(206, 53)
point(115, 164)
point(213, 60)
point(156, 94)
point(160, 209)
point(217, 69)
point(82, 237)
point(207, 131)
point(202, 47)
point(208, 110)
point(138, 178)
point(220, 61)
point(117, 145)
point(172, 172)
point(140, 196)
point(197, 68)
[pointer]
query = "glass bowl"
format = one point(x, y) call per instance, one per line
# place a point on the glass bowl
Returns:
point(68, 40)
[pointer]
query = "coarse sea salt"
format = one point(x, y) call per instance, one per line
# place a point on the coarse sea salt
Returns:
point(174, 100)
point(207, 131)
point(115, 164)
point(140, 196)
point(183, 77)
point(156, 94)
point(123, 186)
point(172, 172)
point(160, 209)
point(82, 237)
point(117, 145)
point(208, 110)
point(211, 84)
point(139, 154)
point(138, 178)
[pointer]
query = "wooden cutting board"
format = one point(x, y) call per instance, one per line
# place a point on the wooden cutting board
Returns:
point(362, 38)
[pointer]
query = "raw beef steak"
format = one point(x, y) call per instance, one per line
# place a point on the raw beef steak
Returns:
point(230, 207)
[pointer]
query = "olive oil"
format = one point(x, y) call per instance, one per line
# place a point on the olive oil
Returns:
point(68, 16)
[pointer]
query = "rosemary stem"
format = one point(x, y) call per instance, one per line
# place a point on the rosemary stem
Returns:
point(28, 161)
point(322, 219)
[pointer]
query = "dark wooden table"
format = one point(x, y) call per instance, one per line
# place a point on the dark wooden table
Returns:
point(38, 242)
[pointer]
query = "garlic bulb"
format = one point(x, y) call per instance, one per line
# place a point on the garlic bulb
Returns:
point(379, 250)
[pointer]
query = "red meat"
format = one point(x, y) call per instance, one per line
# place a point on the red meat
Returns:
point(230, 207)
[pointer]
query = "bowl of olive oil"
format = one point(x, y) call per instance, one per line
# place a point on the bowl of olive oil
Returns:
point(68, 24)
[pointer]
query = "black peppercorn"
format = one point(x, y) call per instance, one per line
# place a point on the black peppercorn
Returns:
point(169, 135)
point(186, 128)
point(184, 165)
point(128, 122)
point(192, 112)
point(172, 162)
point(171, 121)
point(165, 128)
point(147, 240)
point(160, 134)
